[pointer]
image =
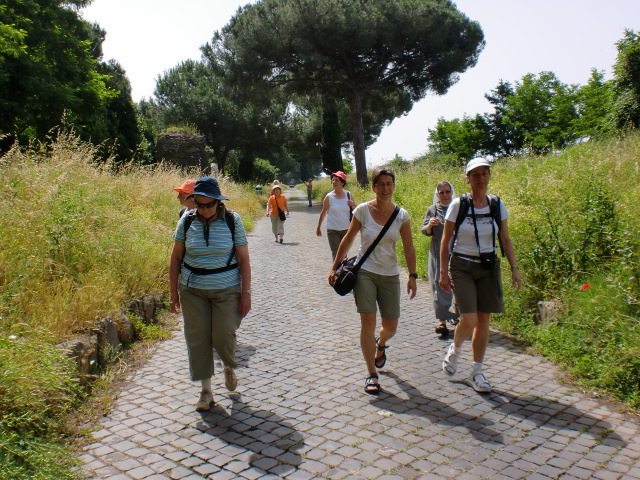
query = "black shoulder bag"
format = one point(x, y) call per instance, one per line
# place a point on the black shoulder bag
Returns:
point(348, 269)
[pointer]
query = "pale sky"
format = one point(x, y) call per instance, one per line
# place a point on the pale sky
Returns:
point(567, 37)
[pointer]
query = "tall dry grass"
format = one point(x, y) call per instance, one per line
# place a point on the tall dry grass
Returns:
point(80, 239)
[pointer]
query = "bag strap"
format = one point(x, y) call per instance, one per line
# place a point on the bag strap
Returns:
point(378, 238)
point(275, 199)
point(350, 208)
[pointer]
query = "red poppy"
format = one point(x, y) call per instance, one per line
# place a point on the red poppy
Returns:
point(586, 286)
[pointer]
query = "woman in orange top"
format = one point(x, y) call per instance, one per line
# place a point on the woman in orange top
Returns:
point(277, 201)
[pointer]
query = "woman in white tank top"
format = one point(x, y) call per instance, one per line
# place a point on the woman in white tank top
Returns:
point(336, 206)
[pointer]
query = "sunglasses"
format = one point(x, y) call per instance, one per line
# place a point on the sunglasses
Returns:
point(206, 205)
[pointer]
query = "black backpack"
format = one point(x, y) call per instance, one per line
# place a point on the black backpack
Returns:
point(463, 212)
point(228, 217)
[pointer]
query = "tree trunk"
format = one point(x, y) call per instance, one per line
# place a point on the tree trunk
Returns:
point(357, 130)
point(331, 148)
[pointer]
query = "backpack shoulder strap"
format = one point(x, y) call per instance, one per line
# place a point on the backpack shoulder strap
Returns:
point(462, 213)
point(496, 214)
point(191, 215)
point(231, 223)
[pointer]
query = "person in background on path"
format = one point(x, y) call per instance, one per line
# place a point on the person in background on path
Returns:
point(184, 192)
point(378, 281)
point(309, 184)
point(273, 186)
point(277, 202)
point(478, 289)
point(336, 206)
point(210, 280)
point(433, 226)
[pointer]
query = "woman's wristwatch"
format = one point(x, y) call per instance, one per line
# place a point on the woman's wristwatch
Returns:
point(414, 275)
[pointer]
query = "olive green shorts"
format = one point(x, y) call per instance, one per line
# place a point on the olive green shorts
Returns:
point(372, 289)
point(476, 289)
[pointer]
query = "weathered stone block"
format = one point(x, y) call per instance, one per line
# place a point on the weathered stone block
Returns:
point(85, 353)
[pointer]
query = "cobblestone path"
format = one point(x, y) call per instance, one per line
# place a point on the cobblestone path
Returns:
point(300, 411)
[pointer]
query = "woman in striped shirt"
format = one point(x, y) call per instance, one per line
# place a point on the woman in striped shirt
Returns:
point(210, 281)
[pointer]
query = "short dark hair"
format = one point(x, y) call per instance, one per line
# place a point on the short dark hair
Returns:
point(382, 170)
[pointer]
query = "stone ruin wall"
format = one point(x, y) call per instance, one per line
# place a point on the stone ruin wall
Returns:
point(184, 150)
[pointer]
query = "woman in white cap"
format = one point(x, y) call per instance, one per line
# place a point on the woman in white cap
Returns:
point(433, 226)
point(470, 266)
point(210, 280)
point(336, 206)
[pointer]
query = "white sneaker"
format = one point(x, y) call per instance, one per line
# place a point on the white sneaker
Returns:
point(450, 362)
point(205, 401)
point(230, 379)
point(479, 383)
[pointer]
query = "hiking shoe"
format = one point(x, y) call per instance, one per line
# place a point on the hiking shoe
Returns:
point(230, 379)
point(205, 401)
point(450, 362)
point(479, 383)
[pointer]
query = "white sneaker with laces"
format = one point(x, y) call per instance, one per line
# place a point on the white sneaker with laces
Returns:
point(479, 383)
point(450, 362)
point(205, 401)
point(230, 379)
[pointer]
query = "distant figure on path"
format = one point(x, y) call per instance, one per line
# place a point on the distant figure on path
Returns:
point(277, 203)
point(473, 268)
point(433, 226)
point(336, 206)
point(378, 281)
point(184, 195)
point(210, 280)
point(309, 184)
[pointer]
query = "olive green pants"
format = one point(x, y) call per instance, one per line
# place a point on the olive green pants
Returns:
point(211, 318)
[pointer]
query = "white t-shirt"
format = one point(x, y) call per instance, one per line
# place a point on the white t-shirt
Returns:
point(338, 214)
point(466, 241)
point(383, 260)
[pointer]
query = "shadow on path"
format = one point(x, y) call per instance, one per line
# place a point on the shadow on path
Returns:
point(537, 410)
point(268, 441)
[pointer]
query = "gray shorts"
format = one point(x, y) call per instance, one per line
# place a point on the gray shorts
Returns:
point(476, 289)
point(372, 289)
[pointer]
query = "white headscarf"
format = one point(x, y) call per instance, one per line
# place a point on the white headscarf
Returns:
point(435, 193)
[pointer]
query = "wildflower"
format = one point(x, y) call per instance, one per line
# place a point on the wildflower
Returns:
point(586, 286)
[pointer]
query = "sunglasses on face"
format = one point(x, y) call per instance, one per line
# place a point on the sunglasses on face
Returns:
point(206, 205)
